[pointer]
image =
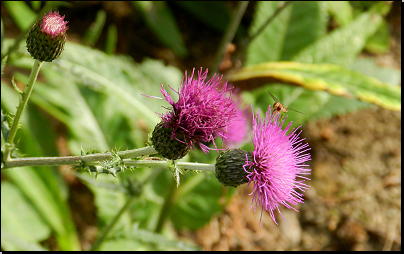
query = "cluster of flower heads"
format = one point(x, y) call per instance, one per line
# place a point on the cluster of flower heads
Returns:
point(276, 166)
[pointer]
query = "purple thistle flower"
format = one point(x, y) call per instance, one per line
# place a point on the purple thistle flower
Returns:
point(277, 167)
point(202, 112)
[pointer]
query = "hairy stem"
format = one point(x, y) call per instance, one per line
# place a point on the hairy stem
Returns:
point(23, 104)
point(76, 160)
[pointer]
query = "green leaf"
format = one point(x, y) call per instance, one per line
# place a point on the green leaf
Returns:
point(119, 76)
point(152, 241)
point(11, 242)
point(196, 201)
point(379, 43)
point(94, 31)
point(159, 18)
point(112, 38)
point(342, 45)
point(341, 11)
point(42, 186)
point(19, 218)
point(368, 67)
point(331, 78)
point(21, 13)
point(296, 27)
point(313, 104)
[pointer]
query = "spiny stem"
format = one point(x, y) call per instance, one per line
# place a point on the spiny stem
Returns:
point(23, 104)
point(76, 160)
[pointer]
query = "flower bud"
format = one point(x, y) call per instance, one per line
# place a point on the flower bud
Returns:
point(168, 148)
point(46, 38)
point(229, 167)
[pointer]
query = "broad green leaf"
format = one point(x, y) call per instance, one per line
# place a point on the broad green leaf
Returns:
point(341, 11)
point(61, 98)
point(368, 67)
point(379, 43)
point(196, 201)
point(331, 78)
point(313, 104)
point(160, 19)
point(19, 218)
point(121, 77)
point(342, 45)
point(42, 186)
point(11, 242)
point(295, 27)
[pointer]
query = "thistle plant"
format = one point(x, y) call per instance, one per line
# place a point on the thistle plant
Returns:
point(97, 96)
point(275, 166)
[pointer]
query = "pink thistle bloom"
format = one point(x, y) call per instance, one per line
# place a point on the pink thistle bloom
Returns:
point(53, 24)
point(277, 168)
point(47, 37)
point(239, 126)
point(202, 112)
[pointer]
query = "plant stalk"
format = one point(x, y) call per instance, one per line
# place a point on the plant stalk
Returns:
point(76, 160)
point(23, 103)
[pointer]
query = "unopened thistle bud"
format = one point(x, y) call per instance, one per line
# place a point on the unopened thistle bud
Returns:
point(47, 37)
point(166, 145)
point(229, 167)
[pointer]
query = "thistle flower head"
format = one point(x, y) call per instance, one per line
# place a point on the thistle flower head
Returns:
point(277, 169)
point(47, 37)
point(202, 113)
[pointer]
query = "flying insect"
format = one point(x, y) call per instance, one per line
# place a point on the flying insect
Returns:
point(280, 108)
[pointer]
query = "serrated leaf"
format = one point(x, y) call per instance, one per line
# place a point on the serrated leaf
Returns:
point(342, 45)
point(297, 26)
point(331, 78)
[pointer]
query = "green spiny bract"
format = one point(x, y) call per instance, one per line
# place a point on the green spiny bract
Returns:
point(229, 167)
point(168, 148)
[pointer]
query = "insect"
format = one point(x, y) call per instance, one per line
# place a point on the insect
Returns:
point(280, 108)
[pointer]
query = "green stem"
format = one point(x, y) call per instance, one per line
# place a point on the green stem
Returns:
point(76, 160)
point(23, 104)
point(229, 35)
point(165, 210)
point(108, 228)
